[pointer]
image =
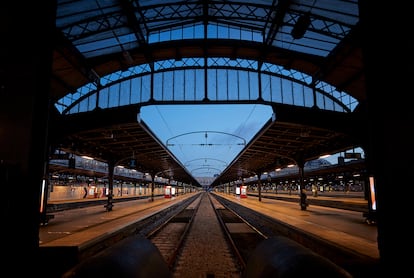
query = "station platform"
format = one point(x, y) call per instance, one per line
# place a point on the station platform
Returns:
point(79, 229)
point(346, 228)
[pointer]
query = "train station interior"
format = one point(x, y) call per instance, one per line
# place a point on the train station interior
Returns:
point(75, 76)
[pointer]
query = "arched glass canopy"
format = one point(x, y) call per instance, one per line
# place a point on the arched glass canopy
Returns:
point(302, 54)
point(222, 80)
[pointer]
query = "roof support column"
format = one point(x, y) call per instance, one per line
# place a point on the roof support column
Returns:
point(152, 186)
point(24, 111)
point(302, 191)
point(109, 204)
point(389, 112)
point(259, 185)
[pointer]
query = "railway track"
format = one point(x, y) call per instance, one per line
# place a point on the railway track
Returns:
point(242, 235)
point(169, 236)
point(206, 239)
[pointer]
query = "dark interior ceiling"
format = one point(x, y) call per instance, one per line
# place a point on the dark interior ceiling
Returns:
point(329, 51)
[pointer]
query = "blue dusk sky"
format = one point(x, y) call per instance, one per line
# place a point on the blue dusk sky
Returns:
point(205, 138)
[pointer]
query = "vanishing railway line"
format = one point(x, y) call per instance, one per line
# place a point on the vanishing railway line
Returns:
point(206, 238)
point(169, 236)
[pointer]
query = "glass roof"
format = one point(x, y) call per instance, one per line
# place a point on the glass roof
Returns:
point(278, 85)
point(104, 27)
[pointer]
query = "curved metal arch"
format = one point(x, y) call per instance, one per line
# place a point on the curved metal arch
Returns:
point(199, 168)
point(236, 68)
point(206, 131)
point(205, 158)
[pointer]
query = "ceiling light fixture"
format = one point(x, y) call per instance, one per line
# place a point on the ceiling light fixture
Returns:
point(301, 25)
